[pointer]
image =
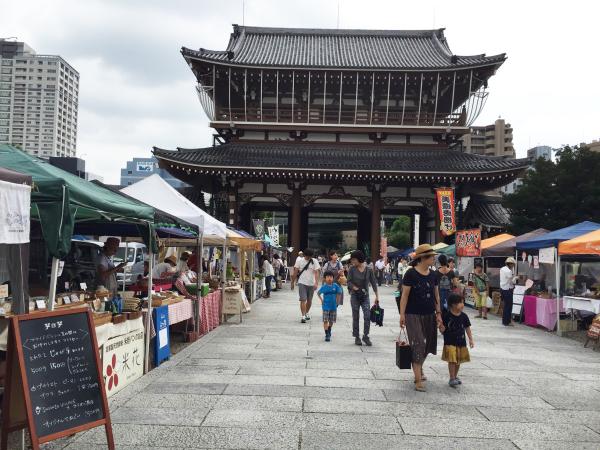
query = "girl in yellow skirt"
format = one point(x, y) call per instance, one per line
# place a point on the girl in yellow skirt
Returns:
point(455, 324)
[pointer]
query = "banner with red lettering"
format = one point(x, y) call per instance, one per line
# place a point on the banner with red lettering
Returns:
point(445, 198)
point(383, 247)
point(468, 242)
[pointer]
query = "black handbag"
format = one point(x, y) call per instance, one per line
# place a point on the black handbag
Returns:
point(403, 351)
point(377, 314)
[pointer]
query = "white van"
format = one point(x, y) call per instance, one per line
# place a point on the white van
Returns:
point(136, 255)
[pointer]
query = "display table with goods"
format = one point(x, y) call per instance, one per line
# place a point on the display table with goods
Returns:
point(591, 304)
point(541, 311)
point(210, 311)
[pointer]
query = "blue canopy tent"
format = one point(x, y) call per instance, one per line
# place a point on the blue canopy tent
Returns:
point(552, 239)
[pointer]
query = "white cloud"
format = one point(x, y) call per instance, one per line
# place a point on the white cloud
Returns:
point(136, 90)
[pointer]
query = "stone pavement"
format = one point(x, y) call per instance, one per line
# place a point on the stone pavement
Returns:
point(273, 382)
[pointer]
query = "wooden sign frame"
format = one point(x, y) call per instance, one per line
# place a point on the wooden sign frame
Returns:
point(17, 391)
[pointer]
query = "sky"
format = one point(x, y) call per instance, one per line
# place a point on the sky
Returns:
point(136, 91)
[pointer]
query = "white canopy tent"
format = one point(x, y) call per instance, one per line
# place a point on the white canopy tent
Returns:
point(156, 192)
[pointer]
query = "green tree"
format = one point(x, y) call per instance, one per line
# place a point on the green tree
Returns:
point(557, 194)
point(399, 233)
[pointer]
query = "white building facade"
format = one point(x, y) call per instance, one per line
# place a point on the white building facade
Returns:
point(39, 97)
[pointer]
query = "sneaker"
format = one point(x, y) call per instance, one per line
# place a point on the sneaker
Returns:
point(307, 317)
point(302, 320)
point(367, 341)
point(328, 338)
point(453, 383)
point(357, 341)
point(458, 380)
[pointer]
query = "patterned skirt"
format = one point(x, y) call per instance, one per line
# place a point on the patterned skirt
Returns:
point(422, 335)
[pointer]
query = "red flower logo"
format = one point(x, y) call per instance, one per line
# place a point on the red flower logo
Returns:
point(113, 378)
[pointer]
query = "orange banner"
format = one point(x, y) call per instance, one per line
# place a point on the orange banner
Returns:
point(468, 242)
point(445, 198)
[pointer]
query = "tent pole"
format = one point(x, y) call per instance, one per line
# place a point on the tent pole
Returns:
point(223, 274)
point(557, 281)
point(125, 268)
point(149, 314)
point(199, 250)
point(53, 280)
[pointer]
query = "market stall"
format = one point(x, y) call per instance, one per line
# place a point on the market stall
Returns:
point(539, 261)
point(580, 269)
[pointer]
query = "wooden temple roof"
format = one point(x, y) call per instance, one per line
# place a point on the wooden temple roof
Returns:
point(340, 49)
point(487, 211)
point(346, 161)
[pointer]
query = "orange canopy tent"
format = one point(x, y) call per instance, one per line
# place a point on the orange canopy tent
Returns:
point(490, 242)
point(586, 244)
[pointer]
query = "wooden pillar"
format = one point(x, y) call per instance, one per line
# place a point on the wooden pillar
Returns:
point(375, 222)
point(296, 222)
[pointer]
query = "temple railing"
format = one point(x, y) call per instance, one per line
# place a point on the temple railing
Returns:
point(346, 116)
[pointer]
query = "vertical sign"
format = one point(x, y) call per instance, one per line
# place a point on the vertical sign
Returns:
point(468, 242)
point(274, 235)
point(259, 228)
point(417, 228)
point(445, 198)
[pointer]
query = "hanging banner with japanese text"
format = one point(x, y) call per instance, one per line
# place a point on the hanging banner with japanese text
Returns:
point(445, 198)
point(468, 242)
point(259, 228)
point(384, 246)
point(274, 235)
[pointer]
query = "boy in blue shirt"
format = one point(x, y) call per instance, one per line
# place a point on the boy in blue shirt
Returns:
point(329, 294)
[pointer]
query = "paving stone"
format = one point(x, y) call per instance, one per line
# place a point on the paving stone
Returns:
point(352, 383)
point(186, 388)
point(589, 418)
point(336, 406)
point(499, 430)
point(160, 415)
point(319, 440)
point(246, 402)
point(554, 445)
point(345, 423)
point(305, 392)
point(149, 436)
point(253, 419)
point(454, 398)
point(269, 380)
point(239, 363)
point(173, 400)
point(324, 373)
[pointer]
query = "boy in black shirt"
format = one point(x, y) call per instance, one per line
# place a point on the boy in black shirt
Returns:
point(455, 324)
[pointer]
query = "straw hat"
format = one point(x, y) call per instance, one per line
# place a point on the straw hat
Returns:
point(510, 260)
point(424, 250)
point(171, 259)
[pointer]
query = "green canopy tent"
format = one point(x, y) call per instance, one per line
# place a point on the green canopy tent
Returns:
point(448, 251)
point(60, 199)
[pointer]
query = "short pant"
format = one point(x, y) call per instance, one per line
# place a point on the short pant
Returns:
point(329, 316)
point(305, 292)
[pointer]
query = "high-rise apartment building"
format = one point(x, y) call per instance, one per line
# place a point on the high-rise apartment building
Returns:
point(38, 101)
point(490, 140)
point(540, 151)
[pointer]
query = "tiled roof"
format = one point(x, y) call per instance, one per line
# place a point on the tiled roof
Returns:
point(332, 158)
point(487, 211)
point(342, 49)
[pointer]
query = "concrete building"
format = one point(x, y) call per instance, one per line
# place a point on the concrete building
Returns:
point(139, 168)
point(490, 140)
point(593, 146)
point(38, 101)
point(540, 151)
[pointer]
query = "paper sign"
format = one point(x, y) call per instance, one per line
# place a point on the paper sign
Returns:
point(41, 304)
point(83, 286)
point(547, 255)
point(163, 337)
point(4, 291)
point(66, 300)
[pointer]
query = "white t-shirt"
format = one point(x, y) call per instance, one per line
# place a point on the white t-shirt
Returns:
point(507, 281)
point(161, 268)
point(268, 269)
point(308, 276)
point(380, 264)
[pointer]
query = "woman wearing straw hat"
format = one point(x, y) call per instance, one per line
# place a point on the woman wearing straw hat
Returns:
point(420, 310)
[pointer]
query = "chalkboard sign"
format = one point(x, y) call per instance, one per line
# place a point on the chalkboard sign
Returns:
point(53, 369)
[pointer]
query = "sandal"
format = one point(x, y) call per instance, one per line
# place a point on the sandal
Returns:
point(420, 387)
point(485, 318)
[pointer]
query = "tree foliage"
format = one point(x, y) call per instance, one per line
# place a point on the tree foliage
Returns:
point(399, 233)
point(557, 194)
